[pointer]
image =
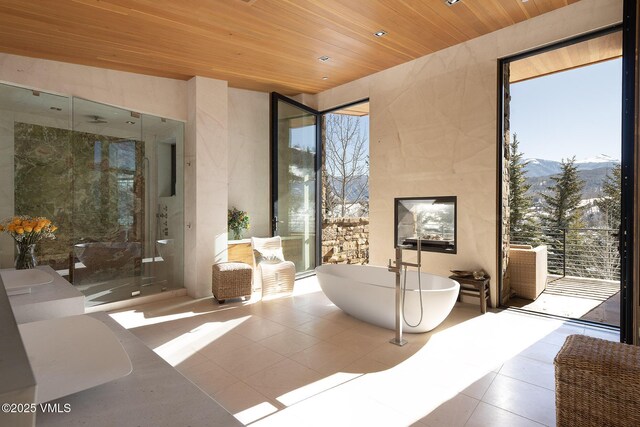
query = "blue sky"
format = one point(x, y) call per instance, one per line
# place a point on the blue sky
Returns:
point(575, 112)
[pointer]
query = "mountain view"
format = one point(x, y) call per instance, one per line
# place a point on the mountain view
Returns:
point(592, 171)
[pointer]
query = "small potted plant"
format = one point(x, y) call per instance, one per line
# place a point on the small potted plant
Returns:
point(237, 222)
point(27, 231)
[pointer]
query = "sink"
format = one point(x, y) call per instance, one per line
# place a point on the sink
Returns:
point(72, 354)
point(21, 281)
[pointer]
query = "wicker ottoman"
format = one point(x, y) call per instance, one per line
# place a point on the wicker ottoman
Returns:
point(597, 383)
point(231, 280)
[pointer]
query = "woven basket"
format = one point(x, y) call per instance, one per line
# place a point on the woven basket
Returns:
point(597, 383)
point(231, 280)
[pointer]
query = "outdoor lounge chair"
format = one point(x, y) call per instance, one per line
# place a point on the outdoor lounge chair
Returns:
point(527, 270)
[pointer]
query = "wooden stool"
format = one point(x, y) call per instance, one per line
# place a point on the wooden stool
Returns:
point(231, 280)
point(475, 288)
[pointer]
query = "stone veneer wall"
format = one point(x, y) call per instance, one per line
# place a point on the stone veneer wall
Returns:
point(506, 179)
point(345, 241)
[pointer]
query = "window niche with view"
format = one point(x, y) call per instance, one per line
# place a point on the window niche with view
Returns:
point(432, 220)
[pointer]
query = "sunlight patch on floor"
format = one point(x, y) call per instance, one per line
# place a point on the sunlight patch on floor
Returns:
point(255, 413)
point(315, 388)
point(184, 346)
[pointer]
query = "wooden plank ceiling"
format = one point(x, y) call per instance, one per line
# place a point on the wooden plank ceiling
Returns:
point(590, 51)
point(267, 45)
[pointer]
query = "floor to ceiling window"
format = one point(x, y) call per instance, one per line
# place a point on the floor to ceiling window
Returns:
point(294, 176)
point(320, 182)
point(345, 185)
point(563, 169)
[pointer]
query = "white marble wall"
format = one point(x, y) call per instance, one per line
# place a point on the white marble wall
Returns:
point(145, 94)
point(249, 158)
point(206, 182)
point(433, 130)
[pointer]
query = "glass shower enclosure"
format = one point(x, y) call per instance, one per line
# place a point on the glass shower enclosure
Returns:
point(110, 178)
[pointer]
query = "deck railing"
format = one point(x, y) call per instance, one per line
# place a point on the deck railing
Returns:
point(582, 252)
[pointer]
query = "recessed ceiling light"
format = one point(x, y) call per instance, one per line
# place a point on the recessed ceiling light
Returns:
point(130, 122)
point(325, 78)
point(451, 2)
point(380, 33)
point(323, 58)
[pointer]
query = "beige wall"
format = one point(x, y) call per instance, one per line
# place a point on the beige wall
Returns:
point(249, 158)
point(206, 182)
point(145, 94)
point(433, 131)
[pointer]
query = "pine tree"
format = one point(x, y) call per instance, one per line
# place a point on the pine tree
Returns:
point(607, 257)
point(521, 225)
point(609, 202)
point(562, 203)
point(562, 218)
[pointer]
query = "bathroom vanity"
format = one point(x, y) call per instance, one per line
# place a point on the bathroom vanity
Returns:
point(58, 298)
point(44, 360)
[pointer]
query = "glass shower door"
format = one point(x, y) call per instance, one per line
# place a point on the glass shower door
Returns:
point(127, 212)
point(108, 202)
point(110, 179)
point(295, 169)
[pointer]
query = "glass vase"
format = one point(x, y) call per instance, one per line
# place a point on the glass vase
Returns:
point(237, 234)
point(26, 257)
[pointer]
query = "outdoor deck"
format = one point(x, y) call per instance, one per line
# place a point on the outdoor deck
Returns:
point(578, 298)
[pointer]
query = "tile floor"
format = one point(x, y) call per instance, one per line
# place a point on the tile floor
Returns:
point(593, 300)
point(300, 360)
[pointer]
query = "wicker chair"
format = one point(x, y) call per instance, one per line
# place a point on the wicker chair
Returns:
point(597, 383)
point(527, 270)
point(273, 274)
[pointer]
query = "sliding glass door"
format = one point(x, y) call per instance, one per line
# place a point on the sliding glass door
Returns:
point(295, 162)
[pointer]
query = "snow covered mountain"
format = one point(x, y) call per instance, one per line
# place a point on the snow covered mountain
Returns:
point(540, 167)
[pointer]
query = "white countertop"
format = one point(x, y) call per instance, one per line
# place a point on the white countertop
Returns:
point(72, 354)
point(21, 281)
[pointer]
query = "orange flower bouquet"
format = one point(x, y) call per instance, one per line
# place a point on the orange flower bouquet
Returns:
point(27, 231)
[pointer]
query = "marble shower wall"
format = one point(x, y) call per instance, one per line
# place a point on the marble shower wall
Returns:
point(434, 131)
point(71, 178)
point(8, 120)
point(6, 189)
point(43, 185)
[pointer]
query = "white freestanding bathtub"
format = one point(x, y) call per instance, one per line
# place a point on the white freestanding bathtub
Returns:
point(368, 293)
